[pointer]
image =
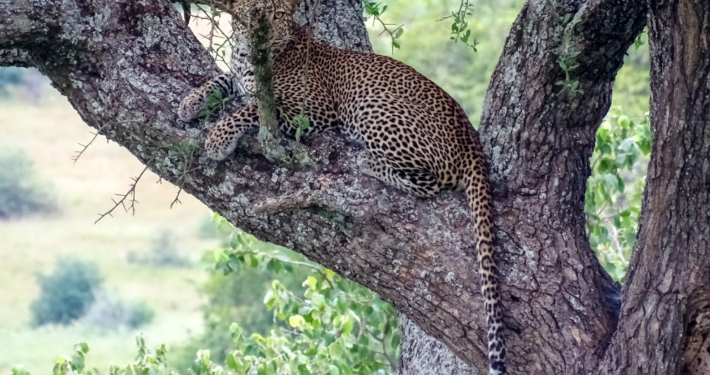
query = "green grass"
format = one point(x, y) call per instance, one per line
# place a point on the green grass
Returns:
point(49, 133)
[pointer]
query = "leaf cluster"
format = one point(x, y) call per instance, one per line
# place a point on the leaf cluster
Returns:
point(614, 191)
point(459, 27)
point(334, 327)
point(374, 10)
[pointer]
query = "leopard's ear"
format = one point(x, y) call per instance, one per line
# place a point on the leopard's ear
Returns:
point(292, 5)
point(229, 6)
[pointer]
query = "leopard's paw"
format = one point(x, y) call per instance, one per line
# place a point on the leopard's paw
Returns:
point(219, 144)
point(191, 106)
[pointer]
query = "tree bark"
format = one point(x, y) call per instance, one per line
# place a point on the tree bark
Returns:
point(125, 66)
point(671, 260)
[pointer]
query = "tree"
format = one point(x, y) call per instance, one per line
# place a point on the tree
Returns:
point(124, 66)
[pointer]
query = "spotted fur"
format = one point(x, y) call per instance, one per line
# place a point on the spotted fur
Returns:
point(696, 345)
point(417, 137)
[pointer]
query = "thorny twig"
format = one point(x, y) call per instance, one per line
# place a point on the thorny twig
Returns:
point(212, 18)
point(181, 179)
point(122, 202)
point(76, 157)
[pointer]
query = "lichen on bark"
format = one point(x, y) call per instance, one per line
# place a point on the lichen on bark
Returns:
point(262, 61)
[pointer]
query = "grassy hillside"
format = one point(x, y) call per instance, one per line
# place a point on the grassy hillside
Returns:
point(48, 132)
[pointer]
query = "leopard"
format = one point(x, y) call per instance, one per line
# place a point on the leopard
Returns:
point(415, 136)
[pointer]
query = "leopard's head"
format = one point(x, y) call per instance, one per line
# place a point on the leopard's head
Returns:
point(246, 15)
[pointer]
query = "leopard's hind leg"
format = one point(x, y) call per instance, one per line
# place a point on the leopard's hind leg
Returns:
point(419, 182)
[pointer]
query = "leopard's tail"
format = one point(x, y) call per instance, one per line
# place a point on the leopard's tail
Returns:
point(479, 198)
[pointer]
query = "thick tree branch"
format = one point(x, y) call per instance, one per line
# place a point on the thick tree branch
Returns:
point(670, 266)
point(539, 139)
point(124, 66)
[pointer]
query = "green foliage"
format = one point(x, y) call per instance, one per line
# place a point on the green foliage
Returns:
point(638, 42)
point(331, 326)
point(568, 63)
point(75, 363)
point(335, 327)
point(323, 323)
point(19, 370)
point(303, 123)
point(215, 103)
point(20, 194)
point(147, 362)
point(459, 28)
point(374, 10)
point(67, 293)
point(614, 191)
point(567, 55)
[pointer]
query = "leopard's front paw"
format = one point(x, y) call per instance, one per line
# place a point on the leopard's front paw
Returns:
point(219, 146)
point(191, 106)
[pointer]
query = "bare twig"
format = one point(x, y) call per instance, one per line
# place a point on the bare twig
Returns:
point(86, 146)
point(177, 198)
point(122, 202)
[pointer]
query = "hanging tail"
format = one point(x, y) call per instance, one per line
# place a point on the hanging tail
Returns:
point(479, 199)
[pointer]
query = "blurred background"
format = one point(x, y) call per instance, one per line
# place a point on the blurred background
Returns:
point(64, 279)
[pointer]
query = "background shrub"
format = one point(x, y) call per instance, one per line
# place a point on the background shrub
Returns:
point(27, 84)
point(163, 253)
point(67, 293)
point(20, 194)
point(110, 313)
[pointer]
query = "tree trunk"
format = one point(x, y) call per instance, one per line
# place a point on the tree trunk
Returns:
point(671, 259)
point(124, 66)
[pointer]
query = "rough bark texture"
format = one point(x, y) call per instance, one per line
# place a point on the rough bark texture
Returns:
point(672, 256)
point(124, 66)
point(423, 354)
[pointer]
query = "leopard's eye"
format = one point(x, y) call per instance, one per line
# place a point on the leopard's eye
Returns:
point(278, 15)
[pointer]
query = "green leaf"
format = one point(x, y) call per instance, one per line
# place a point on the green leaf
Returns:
point(311, 282)
point(296, 321)
point(19, 370)
point(605, 165)
point(84, 347)
point(77, 361)
point(396, 339)
point(624, 121)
